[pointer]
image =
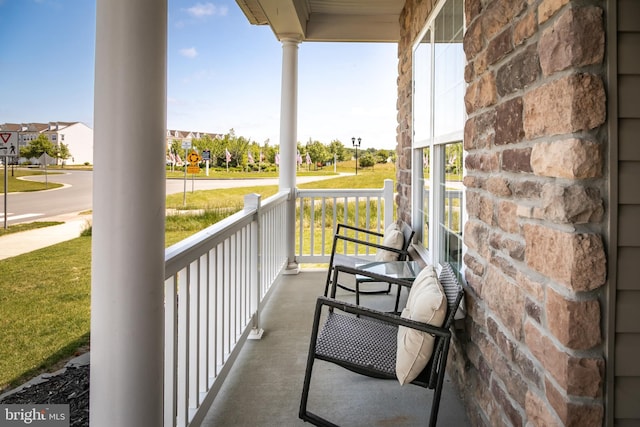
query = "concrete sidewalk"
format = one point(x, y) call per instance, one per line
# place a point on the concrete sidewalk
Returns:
point(19, 243)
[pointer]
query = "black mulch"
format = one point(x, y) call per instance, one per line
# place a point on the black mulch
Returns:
point(69, 387)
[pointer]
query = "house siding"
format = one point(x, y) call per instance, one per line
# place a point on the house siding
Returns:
point(532, 351)
point(627, 297)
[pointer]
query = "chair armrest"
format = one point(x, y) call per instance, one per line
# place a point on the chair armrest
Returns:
point(366, 243)
point(356, 271)
point(380, 316)
point(358, 229)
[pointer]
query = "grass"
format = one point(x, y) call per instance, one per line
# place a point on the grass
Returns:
point(45, 294)
point(223, 174)
point(44, 308)
point(17, 228)
point(19, 185)
point(217, 199)
point(179, 227)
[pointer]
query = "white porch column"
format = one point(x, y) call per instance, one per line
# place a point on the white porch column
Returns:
point(288, 140)
point(128, 213)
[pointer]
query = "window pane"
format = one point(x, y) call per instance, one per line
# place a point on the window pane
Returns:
point(422, 92)
point(426, 154)
point(451, 227)
point(449, 72)
point(438, 124)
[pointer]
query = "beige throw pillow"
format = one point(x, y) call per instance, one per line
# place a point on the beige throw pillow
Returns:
point(426, 303)
point(393, 238)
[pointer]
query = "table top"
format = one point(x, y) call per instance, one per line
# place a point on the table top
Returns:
point(407, 270)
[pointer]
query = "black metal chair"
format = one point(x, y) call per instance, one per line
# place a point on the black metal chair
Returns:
point(342, 237)
point(364, 340)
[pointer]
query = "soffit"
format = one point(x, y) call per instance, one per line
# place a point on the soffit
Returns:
point(328, 20)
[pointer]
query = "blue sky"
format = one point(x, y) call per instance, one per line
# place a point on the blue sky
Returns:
point(223, 73)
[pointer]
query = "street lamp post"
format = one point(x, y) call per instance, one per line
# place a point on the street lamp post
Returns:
point(353, 141)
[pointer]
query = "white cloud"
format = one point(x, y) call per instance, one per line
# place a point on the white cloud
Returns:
point(189, 52)
point(200, 10)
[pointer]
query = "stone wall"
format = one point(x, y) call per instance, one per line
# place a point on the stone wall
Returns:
point(531, 352)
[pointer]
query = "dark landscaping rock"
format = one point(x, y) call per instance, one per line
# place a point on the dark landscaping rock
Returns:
point(70, 386)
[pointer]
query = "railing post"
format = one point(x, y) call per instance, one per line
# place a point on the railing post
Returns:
point(252, 202)
point(387, 194)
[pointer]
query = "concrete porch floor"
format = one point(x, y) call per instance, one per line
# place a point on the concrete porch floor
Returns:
point(264, 386)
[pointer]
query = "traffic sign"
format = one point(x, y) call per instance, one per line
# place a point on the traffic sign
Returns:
point(193, 169)
point(9, 144)
point(194, 158)
point(186, 144)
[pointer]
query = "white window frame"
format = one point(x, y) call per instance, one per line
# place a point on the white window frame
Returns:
point(436, 146)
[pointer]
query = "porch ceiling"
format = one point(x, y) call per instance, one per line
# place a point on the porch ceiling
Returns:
point(328, 20)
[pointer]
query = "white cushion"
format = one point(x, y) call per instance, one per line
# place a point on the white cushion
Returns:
point(426, 303)
point(393, 238)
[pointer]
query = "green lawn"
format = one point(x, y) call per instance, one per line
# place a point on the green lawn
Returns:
point(17, 228)
point(45, 294)
point(44, 308)
point(15, 185)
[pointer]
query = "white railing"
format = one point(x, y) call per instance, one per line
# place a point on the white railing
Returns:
point(319, 212)
point(216, 283)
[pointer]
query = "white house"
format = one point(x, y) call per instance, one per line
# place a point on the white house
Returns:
point(77, 136)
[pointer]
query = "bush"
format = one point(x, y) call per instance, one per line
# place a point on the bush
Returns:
point(366, 160)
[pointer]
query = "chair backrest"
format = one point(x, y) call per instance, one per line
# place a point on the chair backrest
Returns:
point(407, 233)
point(454, 292)
point(452, 289)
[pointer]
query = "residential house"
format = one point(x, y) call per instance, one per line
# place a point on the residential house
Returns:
point(76, 135)
point(181, 135)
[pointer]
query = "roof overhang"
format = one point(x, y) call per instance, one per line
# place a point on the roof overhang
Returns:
point(328, 20)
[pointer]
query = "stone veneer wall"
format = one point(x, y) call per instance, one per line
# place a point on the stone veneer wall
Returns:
point(531, 352)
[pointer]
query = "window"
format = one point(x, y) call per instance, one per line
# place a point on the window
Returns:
point(438, 127)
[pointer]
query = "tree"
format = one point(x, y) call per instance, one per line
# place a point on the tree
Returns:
point(62, 152)
point(204, 143)
point(37, 147)
point(318, 151)
point(207, 143)
point(382, 155)
point(337, 148)
point(176, 146)
point(238, 147)
point(453, 153)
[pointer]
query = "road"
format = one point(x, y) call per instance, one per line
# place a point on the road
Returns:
point(76, 195)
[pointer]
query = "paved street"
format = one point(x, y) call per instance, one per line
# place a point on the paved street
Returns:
point(76, 195)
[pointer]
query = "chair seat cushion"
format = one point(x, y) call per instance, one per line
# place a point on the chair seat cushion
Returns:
point(358, 343)
point(349, 260)
point(426, 303)
point(393, 238)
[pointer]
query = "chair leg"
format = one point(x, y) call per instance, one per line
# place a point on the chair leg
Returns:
point(437, 392)
point(305, 388)
point(397, 297)
point(328, 282)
